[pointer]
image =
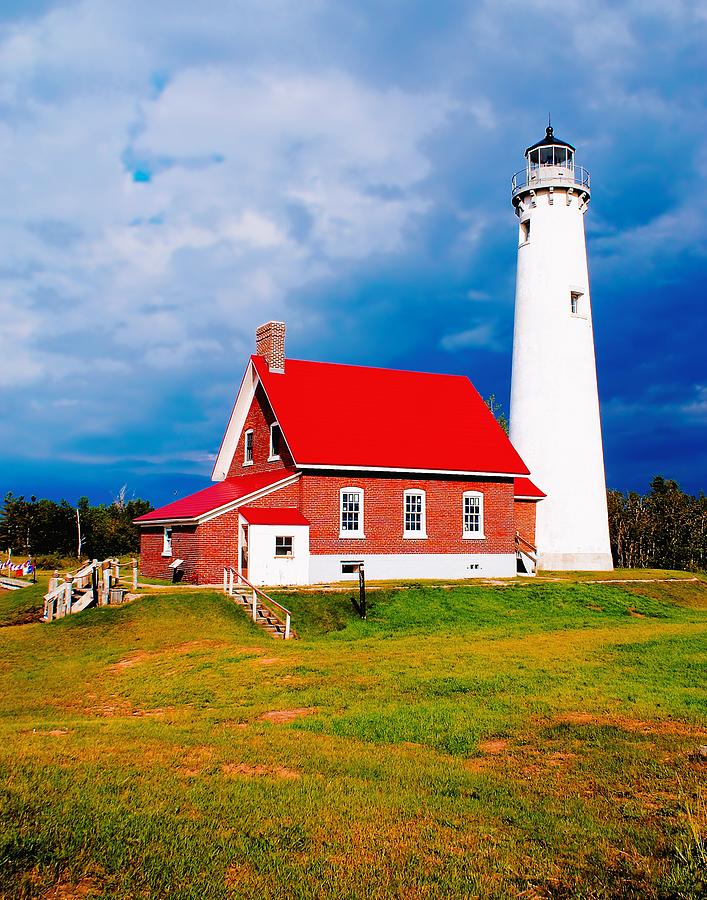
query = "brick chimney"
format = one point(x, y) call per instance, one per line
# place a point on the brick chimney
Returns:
point(270, 344)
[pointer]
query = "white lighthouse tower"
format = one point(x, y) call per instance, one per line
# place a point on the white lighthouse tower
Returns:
point(554, 421)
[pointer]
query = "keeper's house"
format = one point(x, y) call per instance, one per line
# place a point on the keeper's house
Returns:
point(324, 467)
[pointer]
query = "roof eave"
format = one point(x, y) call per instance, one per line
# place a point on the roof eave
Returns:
point(225, 507)
point(411, 471)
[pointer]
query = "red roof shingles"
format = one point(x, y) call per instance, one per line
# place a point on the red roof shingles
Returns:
point(216, 496)
point(524, 487)
point(354, 416)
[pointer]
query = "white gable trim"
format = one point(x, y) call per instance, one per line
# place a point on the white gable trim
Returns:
point(226, 507)
point(234, 429)
point(241, 406)
point(242, 501)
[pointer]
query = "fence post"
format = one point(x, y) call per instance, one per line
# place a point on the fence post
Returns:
point(68, 591)
point(230, 582)
point(54, 580)
point(135, 573)
point(287, 627)
point(225, 581)
point(116, 569)
point(106, 584)
point(255, 607)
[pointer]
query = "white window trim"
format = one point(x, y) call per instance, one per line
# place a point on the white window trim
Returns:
point(348, 535)
point(273, 456)
point(291, 554)
point(246, 461)
point(422, 534)
point(474, 535)
point(166, 541)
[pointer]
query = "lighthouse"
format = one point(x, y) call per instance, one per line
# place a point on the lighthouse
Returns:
point(554, 417)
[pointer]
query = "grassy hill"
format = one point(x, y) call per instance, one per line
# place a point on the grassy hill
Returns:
point(515, 740)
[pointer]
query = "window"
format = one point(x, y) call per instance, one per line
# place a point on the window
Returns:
point(283, 546)
point(351, 513)
point(525, 231)
point(351, 567)
point(275, 436)
point(167, 542)
point(248, 449)
point(575, 306)
point(473, 515)
point(414, 516)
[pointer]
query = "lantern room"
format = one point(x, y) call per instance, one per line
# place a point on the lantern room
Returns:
point(550, 163)
point(550, 151)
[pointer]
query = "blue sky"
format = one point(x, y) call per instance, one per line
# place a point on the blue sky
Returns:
point(174, 174)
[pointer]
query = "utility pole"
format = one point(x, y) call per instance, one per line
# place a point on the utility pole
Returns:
point(78, 531)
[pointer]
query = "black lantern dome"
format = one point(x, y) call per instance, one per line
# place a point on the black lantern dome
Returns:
point(549, 141)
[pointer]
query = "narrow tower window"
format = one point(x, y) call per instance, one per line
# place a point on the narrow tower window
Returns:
point(525, 231)
point(575, 297)
point(248, 448)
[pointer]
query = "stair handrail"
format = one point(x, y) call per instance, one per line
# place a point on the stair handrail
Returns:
point(228, 574)
point(521, 540)
point(52, 599)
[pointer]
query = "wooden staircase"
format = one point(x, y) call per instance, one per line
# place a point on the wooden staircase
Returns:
point(526, 556)
point(91, 586)
point(258, 606)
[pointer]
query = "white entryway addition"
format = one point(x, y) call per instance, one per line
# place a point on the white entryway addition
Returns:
point(277, 546)
point(554, 418)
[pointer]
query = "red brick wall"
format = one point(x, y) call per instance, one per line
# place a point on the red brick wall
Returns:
point(213, 545)
point(524, 512)
point(184, 546)
point(383, 515)
point(260, 417)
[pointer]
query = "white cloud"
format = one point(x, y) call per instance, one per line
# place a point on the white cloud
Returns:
point(480, 336)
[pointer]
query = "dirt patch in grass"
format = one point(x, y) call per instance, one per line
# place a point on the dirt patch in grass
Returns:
point(245, 770)
point(497, 745)
point(137, 657)
point(267, 660)
point(73, 890)
point(132, 659)
point(665, 726)
point(287, 715)
point(635, 613)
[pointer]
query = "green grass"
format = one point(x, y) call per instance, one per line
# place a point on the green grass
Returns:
point(535, 739)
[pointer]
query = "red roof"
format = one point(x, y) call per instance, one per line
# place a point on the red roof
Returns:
point(276, 516)
point(354, 416)
point(524, 487)
point(215, 496)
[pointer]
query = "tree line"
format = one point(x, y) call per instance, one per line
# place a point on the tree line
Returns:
point(662, 529)
point(48, 530)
